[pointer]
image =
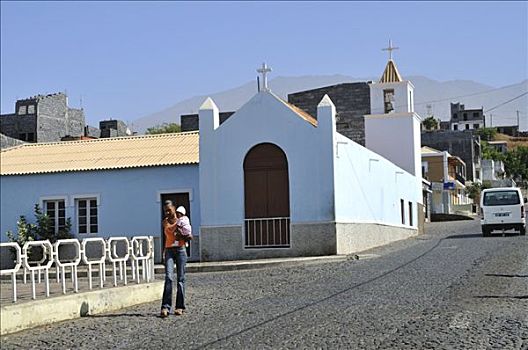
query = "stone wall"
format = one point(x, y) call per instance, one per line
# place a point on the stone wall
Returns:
point(226, 243)
point(6, 142)
point(43, 119)
point(464, 144)
point(113, 128)
point(13, 125)
point(75, 122)
point(357, 237)
point(190, 122)
point(352, 102)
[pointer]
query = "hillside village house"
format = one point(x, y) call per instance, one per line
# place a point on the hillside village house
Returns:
point(271, 181)
point(447, 176)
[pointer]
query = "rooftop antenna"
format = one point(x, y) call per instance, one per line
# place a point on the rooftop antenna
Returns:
point(81, 102)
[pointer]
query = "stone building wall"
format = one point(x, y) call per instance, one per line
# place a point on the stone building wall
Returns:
point(464, 144)
point(6, 142)
point(352, 101)
point(190, 122)
point(13, 125)
point(43, 118)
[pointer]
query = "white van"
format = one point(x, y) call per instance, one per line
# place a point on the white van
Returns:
point(502, 209)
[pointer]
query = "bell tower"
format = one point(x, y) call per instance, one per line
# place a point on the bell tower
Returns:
point(393, 128)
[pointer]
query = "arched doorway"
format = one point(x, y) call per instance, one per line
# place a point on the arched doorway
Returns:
point(266, 197)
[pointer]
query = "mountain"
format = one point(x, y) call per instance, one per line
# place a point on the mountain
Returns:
point(430, 96)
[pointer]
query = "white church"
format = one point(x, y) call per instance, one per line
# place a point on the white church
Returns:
point(276, 182)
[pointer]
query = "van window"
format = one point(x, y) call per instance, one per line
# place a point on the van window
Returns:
point(501, 198)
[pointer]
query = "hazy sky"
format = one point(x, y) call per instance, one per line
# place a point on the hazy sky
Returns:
point(129, 59)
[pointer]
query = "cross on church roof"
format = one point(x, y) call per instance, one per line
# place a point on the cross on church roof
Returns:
point(390, 49)
point(264, 70)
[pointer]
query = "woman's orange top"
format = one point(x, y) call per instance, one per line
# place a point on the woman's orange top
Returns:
point(170, 235)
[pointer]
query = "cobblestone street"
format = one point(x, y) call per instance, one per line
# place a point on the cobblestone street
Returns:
point(448, 289)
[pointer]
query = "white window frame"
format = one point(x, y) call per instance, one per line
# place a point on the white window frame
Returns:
point(56, 199)
point(75, 201)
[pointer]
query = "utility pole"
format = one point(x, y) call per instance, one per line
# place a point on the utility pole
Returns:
point(518, 126)
point(491, 120)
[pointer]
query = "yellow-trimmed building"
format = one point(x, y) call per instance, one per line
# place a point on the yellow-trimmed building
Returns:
point(447, 174)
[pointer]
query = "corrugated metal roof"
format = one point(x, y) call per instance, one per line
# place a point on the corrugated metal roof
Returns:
point(391, 74)
point(100, 154)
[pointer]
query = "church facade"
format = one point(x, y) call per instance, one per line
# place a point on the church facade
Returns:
point(277, 182)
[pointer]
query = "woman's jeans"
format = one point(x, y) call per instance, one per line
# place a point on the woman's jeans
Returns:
point(178, 256)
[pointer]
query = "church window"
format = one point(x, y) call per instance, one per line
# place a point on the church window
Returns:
point(22, 110)
point(455, 127)
point(455, 115)
point(475, 115)
point(465, 116)
point(476, 126)
point(388, 100)
point(31, 109)
point(467, 126)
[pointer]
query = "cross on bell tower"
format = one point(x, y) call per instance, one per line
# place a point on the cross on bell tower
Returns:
point(265, 69)
point(390, 49)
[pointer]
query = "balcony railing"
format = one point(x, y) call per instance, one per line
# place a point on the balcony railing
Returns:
point(460, 179)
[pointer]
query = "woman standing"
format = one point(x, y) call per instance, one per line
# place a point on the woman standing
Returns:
point(177, 231)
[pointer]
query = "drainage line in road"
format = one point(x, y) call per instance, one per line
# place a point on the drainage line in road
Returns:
point(324, 299)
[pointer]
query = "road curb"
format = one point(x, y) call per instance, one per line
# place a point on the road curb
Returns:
point(17, 317)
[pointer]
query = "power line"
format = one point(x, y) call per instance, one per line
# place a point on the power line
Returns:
point(449, 98)
point(502, 104)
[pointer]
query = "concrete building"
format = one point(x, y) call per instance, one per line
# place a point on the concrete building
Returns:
point(113, 128)
point(465, 145)
point(466, 119)
point(500, 146)
point(108, 187)
point(43, 118)
point(447, 176)
point(492, 170)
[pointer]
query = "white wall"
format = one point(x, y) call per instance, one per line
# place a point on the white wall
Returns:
point(369, 187)
point(264, 119)
point(402, 100)
point(397, 137)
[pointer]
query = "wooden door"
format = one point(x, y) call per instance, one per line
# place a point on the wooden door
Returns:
point(266, 196)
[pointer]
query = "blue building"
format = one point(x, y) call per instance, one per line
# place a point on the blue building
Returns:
point(108, 187)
